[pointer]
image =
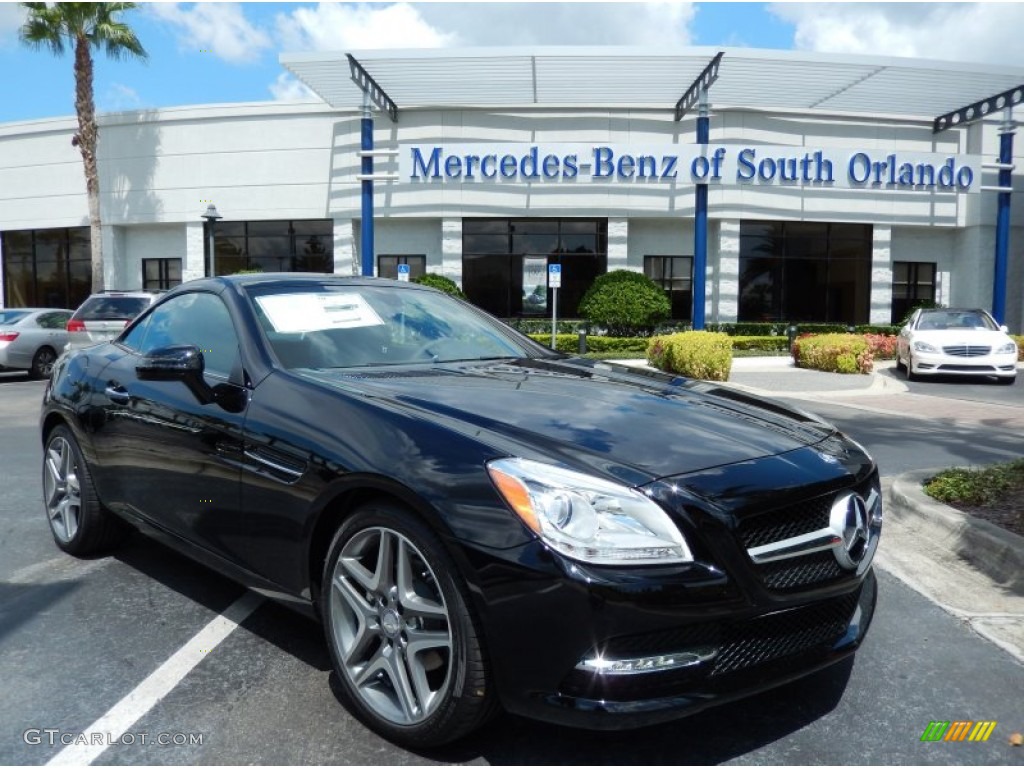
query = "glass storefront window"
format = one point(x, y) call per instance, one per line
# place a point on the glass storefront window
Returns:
point(495, 253)
point(913, 283)
point(160, 274)
point(387, 266)
point(675, 275)
point(804, 271)
point(46, 267)
point(275, 246)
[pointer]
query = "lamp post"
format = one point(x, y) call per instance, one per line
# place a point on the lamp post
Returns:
point(211, 217)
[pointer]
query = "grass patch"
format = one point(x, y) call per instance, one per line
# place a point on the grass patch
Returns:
point(987, 487)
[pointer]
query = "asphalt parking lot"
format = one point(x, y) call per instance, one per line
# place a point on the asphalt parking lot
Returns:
point(78, 637)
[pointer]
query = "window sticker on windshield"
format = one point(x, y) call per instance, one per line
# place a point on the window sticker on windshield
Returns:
point(301, 312)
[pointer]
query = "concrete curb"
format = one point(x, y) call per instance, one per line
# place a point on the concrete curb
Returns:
point(994, 551)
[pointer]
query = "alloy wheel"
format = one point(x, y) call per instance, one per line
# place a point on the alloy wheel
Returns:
point(62, 490)
point(391, 626)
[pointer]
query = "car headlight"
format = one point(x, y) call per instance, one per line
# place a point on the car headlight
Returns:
point(587, 518)
point(1009, 348)
point(924, 346)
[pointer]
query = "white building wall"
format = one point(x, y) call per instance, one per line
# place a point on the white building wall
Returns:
point(618, 245)
point(150, 242)
point(727, 306)
point(408, 237)
point(194, 266)
point(880, 312)
point(451, 249)
point(345, 261)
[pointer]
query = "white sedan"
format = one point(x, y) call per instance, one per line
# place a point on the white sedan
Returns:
point(964, 342)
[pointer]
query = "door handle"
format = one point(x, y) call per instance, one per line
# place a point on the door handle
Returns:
point(117, 394)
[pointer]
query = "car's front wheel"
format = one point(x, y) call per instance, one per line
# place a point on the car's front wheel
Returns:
point(400, 630)
point(78, 522)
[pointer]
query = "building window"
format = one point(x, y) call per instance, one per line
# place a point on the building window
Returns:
point(675, 275)
point(274, 246)
point(913, 283)
point(387, 266)
point(803, 271)
point(160, 274)
point(503, 260)
point(47, 267)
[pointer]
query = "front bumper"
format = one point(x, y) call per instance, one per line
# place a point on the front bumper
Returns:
point(940, 364)
point(540, 627)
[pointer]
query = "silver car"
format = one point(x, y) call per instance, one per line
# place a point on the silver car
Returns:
point(104, 315)
point(31, 338)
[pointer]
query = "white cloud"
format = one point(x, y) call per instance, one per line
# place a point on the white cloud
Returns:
point(981, 32)
point(287, 88)
point(12, 16)
point(220, 28)
point(335, 27)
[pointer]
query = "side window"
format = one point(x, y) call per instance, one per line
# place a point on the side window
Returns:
point(198, 319)
point(53, 320)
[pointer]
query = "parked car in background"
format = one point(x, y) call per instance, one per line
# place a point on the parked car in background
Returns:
point(32, 338)
point(956, 342)
point(478, 521)
point(104, 315)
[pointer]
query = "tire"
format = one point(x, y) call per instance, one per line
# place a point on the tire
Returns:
point(79, 524)
point(374, 616)
point(42, 363)
point(899, 363)
point(911, 376)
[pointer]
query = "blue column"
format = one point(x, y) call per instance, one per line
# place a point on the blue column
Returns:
point(1003, 225)
point(700, 224)
point(366, 228)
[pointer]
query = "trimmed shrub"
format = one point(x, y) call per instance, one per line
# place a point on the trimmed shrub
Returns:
point(442, 283)
point(833, 352)
point(625, 303)
point(883, 347)
point(697, 354)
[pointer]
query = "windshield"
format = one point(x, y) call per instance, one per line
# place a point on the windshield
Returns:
point(346, 326)
point(955, 319)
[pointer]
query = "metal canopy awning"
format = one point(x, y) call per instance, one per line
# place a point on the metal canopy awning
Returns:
point(643, 77)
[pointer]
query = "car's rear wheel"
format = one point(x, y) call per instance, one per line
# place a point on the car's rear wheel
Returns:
point(42, 363)
point(400, 631)
point(80, 525)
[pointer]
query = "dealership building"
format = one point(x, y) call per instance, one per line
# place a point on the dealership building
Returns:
point(834, 191)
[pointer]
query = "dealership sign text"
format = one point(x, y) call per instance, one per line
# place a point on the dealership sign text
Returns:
point(691, 164)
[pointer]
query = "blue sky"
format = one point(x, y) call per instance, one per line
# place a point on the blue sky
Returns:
point(203, 53)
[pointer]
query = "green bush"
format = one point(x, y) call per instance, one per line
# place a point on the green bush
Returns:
point(976, 487)
point(442, 283)
point(833, 352)
point(625, 303)
point(531, 325)
point(697, 354)
point(569, 342)
point(781, 329)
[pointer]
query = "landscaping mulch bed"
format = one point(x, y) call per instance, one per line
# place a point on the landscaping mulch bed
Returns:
point(1008, 514)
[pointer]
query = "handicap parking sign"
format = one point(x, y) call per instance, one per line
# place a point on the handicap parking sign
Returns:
point(403, 273)
point(554, 275)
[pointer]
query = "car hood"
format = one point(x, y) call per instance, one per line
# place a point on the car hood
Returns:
point(633, 427)
point(953, 337)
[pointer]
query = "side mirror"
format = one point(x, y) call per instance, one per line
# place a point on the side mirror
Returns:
point(183, 363)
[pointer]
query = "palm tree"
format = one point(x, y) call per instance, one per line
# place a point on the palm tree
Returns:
point(82, 27)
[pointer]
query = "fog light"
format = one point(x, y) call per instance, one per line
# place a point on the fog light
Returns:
point(660, 663)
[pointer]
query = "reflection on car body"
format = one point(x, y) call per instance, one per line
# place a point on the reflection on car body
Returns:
point(420, 477)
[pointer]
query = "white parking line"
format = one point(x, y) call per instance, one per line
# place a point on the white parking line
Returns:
point(162, 681)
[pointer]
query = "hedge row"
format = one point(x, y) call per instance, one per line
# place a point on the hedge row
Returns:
point(569, 343)
point(1020, 347)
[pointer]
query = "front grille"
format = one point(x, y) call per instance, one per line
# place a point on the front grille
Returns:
point(966, 350)
point(796, 572)
point(784, 634)
point(769, 527)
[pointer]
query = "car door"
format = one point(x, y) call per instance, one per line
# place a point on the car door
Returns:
point(165, 456)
